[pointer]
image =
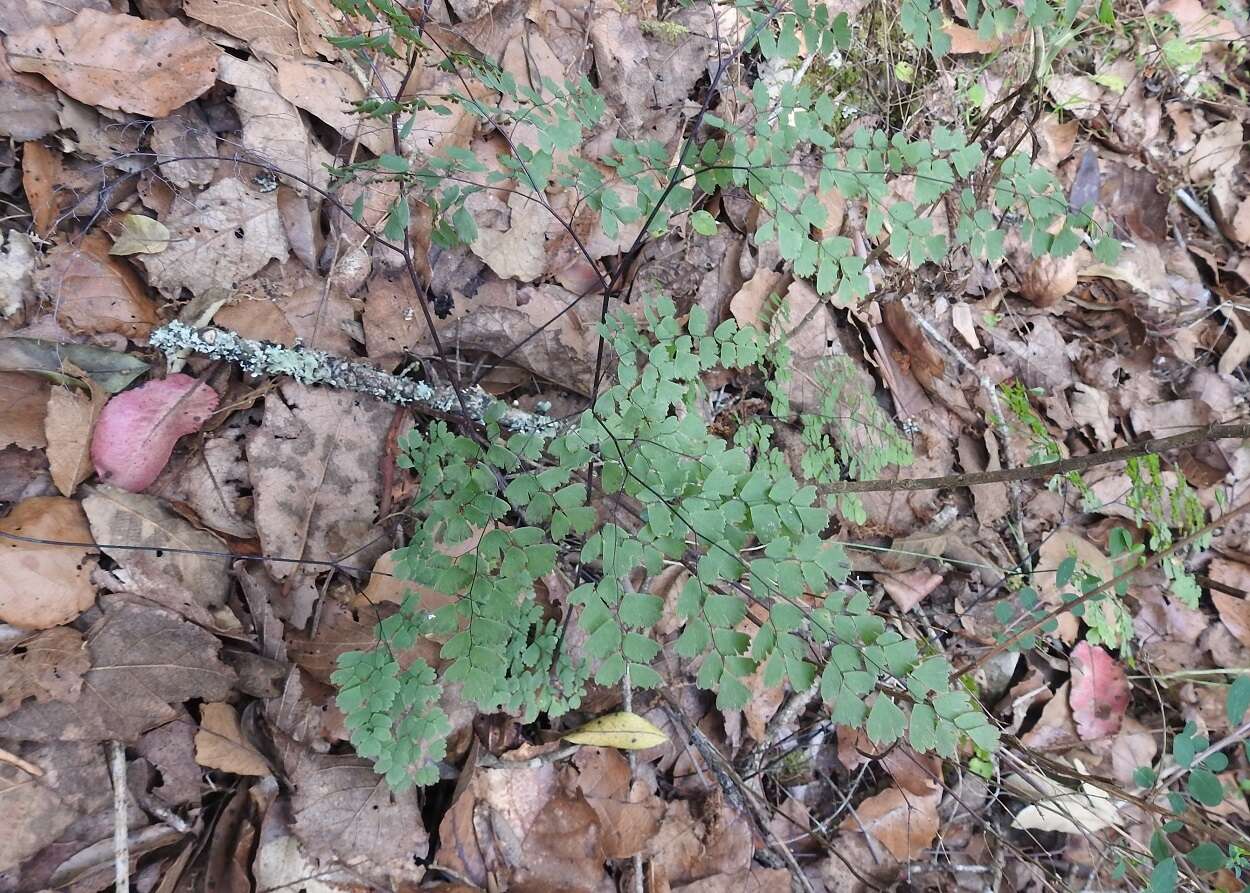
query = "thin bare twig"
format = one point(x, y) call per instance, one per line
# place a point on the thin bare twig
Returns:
point(121, 834)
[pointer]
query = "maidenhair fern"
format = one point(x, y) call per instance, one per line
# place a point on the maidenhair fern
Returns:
point(764, 589)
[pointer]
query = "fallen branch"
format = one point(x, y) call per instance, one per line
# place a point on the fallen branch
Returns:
point(318, 367)
point(1048, 469)
point(309, 366)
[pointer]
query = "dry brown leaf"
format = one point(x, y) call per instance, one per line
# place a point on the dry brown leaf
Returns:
point(44, 586)
point(23, 473)
point(494, 319)
point(213, 479)
point(71, 418)
point(342, 806)
point(905, 824)
point(965, 41)
point(1217, 153)
point(315, 475)
point(698, 840)
point(186, 133)
point(75, 782)
point(17, 268)
point(17, 16)
point(273, 130)
point(219, 743)
point(119, 61)
point(28, 105)
point(286, 302)
point(1235, 614)
point(47, 666)
point(143, 660)
point(265, 26)
point(511, 236)
point(752, 880)
point(908, 588)
point(536, 834)
point(23, 407)
point(216, 241)
point(282, 865)
point(749, 306)
point(41, 175)
point(329, 93)
point(1048, 279)
point(171, 749)
point(137, 519)
point(629, 813)
point(94, 293)
point(1076, 94)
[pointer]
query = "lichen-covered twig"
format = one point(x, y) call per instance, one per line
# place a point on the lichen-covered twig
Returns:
point(318, 367)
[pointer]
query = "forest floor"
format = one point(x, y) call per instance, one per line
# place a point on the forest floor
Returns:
point(178, 662)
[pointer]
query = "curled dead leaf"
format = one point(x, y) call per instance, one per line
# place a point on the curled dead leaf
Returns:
point(219, 743)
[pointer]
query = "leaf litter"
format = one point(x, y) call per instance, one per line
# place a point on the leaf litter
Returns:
point(214, 669)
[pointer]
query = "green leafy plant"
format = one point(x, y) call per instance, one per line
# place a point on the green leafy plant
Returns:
point(744, 526)
point(765, 591)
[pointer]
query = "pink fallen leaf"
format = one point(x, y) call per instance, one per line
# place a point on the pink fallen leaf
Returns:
point(137, 429)
point(1100, 692)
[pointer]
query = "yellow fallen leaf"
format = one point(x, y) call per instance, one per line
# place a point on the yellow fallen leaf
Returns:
point(624, 731)
point(141, 235)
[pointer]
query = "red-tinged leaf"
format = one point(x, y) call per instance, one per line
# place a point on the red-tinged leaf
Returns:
point(1100, 692)
point(136, 432)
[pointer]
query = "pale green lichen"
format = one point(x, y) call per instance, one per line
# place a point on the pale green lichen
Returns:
point(312, 367)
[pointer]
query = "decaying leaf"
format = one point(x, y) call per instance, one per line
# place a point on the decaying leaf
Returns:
point(47, 666)
point(340, 806)
point(28, 105)
point(520, 825)
point(137, 429)
point(213, 479)
point(68, 427)
point(217, 240)
point(623, 731)
point(42, 586)
point(273, 130)
point(282, 865)
point(629, 811)
point(144, 659)
point(265, 25)
point(111, 369)
point(904, 823)
point(136, 519)
point(17, 267)
point(23, 407)
point(93, 292)
point(329, 92)
point(219, 743)
point(75, 782)
point(1100, 691)
point(313, 466)
point(119, 61)
point(41, 176)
